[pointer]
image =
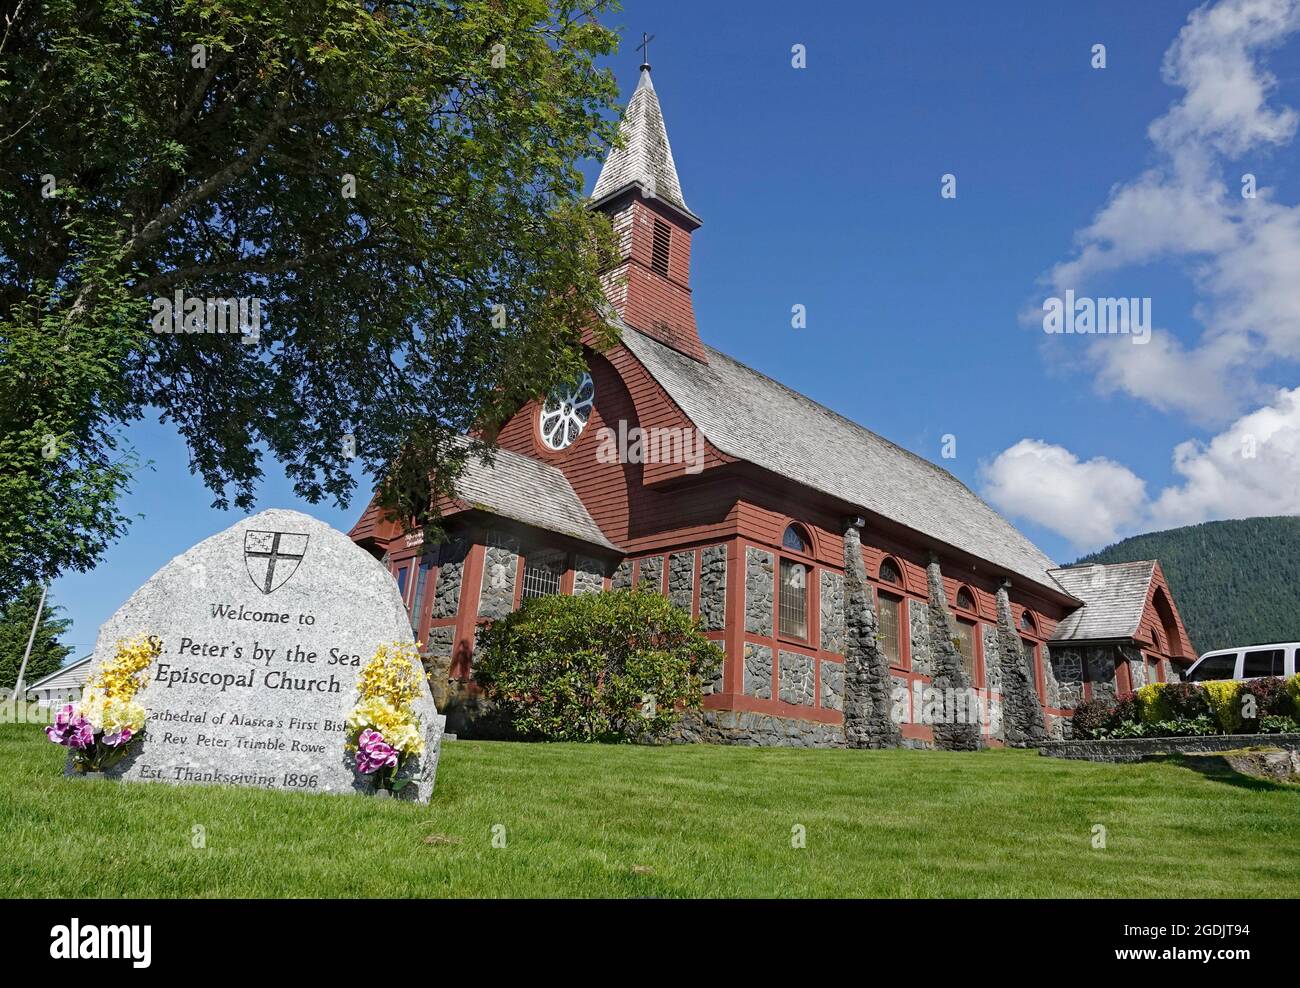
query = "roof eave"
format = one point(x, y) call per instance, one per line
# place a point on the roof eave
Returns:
point(688, 218)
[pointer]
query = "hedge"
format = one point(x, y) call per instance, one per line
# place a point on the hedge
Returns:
point(1228, 706)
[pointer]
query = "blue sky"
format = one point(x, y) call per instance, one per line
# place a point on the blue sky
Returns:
point(820, 187)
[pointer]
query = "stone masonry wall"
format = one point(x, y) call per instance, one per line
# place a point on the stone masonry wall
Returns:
point(747, 728)
point(759, 586)
point(651, 575)
point(500, 567)
point(622, 576)
point(919, 639)
point(952, 733)
point(451, 570)
point(832, 612)
point(757, 671)
point(713, 588)
point(588, 575)
point(797, 682)
point(1067, 671)
point(1022, 715)
point(868, 687)
point(832, 685)
point(681, 579)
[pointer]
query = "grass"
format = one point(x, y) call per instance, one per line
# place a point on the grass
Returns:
point(675, 821)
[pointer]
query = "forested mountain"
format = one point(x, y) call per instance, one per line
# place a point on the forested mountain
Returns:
point(1234, 582)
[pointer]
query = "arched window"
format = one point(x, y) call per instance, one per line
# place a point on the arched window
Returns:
point(890, 614)
point(795, 538)
point(965, 599)
point(1027, 623)
point(890, 573)
point(1155, 637)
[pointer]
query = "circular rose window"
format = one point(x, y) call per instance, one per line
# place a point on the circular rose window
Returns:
point(565, 413)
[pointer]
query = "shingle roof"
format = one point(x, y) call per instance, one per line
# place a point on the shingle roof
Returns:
point(1114, 596)
point(529, 491)
point(754, 418)
point(646, 159)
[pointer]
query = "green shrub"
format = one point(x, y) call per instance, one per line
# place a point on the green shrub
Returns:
point(1224, 698)
point(1092, 719)
point(1150, 702)
point(1131, 729)
point(1277, 724)
point(1264, 697)
point(1185, 701)
point(1293, 688)
point(1127, 709)
point(617, 666)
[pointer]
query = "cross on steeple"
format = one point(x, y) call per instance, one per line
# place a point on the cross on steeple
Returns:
point(644, 48)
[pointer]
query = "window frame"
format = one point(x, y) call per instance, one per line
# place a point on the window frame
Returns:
point(426, 566)
point(812, 579)
point(901, 583)
point(542, 552)
point(1027, 618)
point(782, 561)
point(1034, 658)
point(1232, 674)
point(1247, 653)
point(904, 662)
point(801, 533)
point(974, 601)
point(976, 658)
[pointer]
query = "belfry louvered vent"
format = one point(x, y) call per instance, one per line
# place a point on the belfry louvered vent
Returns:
point(659, 249)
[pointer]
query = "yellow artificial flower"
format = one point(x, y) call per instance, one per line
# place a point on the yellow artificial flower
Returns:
point(121, 677)
point(394, 673)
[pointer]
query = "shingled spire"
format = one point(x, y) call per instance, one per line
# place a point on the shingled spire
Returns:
point(649, 286)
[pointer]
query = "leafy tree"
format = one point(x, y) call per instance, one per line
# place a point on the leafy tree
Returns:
point(616, 666)
point(15, 627)
point(393, 182)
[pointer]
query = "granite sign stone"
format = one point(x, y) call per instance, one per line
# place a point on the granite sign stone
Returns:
point(265, 628)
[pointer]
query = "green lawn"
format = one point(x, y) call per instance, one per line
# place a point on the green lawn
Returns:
point(675, 821)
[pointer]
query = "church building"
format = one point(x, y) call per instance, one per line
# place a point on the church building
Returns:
point(767, 516)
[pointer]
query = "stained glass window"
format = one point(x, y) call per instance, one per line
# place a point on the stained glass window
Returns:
point(889, 608)
point(792, 611)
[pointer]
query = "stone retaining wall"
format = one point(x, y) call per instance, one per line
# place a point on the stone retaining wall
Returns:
point(1135, 749)
point(745, 727)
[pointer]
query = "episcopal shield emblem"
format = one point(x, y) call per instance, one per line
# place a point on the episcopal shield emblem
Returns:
point(273, 557)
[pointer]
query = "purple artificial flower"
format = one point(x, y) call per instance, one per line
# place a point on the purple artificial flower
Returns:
point(58, 731)
point(121, 737)
point(82, 736)
point(374, 753)
point(71, 729)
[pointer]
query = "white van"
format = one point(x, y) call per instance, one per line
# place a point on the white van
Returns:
point(1247, 662)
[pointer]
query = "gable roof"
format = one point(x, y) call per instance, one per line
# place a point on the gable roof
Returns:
point(646, 158)
point(748, 415)
point(73, 675)
point(1114, 596)
point(526, 490)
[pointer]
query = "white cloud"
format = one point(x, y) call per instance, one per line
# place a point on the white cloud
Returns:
point(1089, 502)
point(1242, 255)
point(1252, 468)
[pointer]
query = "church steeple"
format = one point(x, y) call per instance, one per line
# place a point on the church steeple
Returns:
point(638, 187)
point(646, 158)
